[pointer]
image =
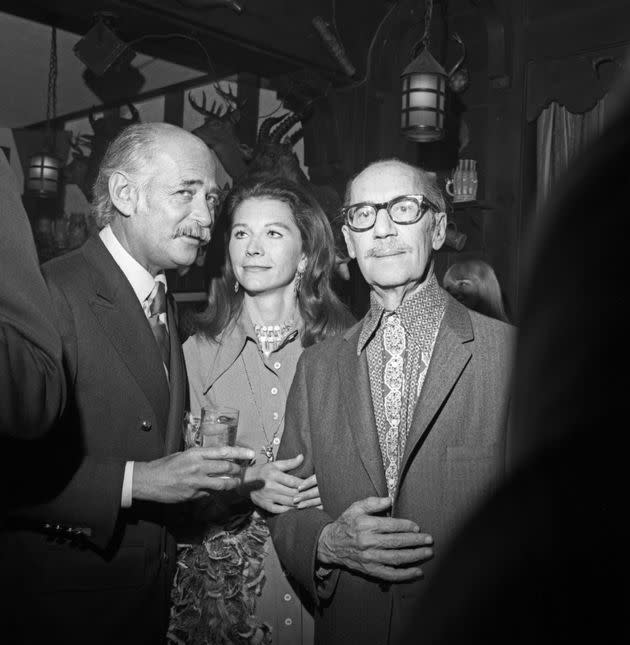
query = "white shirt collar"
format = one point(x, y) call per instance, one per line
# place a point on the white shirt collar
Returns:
point(142, 282)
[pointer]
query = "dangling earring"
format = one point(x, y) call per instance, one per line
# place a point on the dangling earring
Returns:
point(298, 282)
point(236, 285)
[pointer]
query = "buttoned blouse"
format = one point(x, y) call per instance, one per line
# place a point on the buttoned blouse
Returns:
point(234, 371)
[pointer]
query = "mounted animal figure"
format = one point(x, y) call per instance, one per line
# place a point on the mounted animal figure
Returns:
point(272, 156)
point(219, 131)
point(76, 171)
point(83, 168)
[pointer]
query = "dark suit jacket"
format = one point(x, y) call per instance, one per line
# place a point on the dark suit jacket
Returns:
point(454, 455)
point(110, 582)
point(32, 388)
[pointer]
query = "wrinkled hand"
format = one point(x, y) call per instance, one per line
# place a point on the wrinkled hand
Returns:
point(187, 475)
point(271, 487)
point(386, 548)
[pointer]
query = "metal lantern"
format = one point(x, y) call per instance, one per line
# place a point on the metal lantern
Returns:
point(423, 99)
point(43, 174)
point(44, 169)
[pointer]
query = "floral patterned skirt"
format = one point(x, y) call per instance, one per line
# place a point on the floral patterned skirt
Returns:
point(213, 598)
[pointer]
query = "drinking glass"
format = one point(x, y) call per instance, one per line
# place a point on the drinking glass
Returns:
point(217, 426)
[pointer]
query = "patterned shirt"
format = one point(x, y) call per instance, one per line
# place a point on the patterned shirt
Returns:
point(398, 372)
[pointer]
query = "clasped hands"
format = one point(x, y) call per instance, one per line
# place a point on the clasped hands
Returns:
point(273, 489)
point(387, 548)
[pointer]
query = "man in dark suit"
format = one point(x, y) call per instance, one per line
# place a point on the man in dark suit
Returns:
point(93, 562)
point(403, 419)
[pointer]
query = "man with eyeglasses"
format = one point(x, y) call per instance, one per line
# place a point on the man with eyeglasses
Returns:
point(403, 419)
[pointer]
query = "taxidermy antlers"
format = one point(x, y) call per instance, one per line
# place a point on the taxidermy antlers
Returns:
point(219, 133)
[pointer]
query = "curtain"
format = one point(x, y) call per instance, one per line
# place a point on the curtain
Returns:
point(560, 136)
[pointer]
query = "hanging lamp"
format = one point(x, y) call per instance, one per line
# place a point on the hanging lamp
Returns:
point(44, 168)
point(424, 84)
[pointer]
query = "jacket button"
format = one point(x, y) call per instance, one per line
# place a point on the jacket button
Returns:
point(146, 426)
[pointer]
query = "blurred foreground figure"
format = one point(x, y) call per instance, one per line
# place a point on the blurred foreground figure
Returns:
point(32, 384)
point(542, 561)
point(31, 381)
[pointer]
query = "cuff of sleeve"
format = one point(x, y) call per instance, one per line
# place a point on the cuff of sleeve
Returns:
point(127, 487)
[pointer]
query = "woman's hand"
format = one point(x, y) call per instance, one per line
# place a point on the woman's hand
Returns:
point(272, 488)
point(308, 495)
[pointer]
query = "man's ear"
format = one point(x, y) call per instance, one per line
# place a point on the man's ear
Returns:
point(123, 193)
point(439, 230)
point(347, 236)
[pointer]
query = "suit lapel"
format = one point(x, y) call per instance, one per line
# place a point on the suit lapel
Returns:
point(122, 319)
point(355, 386)
point(450, 355)
point(177, 375)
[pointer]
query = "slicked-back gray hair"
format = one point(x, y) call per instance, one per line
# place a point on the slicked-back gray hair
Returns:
point(130, 151)
point(426, 180)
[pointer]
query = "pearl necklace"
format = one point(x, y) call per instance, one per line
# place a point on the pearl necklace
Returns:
point(270, 337)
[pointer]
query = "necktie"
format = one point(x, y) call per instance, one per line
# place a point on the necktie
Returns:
point(394, 343)
point(157, 306)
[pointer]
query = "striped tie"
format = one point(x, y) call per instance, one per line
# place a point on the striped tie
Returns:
point(157, 306)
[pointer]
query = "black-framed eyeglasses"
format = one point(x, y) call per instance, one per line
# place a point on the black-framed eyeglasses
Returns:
point(405, 209)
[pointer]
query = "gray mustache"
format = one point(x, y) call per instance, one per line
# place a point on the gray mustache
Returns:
point(192, 229)
point(375, 251)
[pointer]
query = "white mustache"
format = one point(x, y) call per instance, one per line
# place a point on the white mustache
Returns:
point(193, 229)
point(376, 251)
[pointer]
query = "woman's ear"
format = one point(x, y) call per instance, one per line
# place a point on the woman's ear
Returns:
point(123, 193)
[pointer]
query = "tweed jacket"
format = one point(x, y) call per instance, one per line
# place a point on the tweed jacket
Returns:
point(454, 456)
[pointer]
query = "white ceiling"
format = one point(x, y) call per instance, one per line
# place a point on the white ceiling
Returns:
point(24, 63)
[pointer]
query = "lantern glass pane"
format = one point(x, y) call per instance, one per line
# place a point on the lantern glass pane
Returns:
point(424, 81)
point(422, 119)
point(43, 174)
point(423, 100)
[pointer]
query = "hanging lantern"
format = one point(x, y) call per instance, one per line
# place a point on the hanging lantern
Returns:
point(423, 99)
point(424, 81)
point(43, 175)
point(44, 169)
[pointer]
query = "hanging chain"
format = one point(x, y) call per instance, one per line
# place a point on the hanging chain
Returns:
point(267, 449)
point(428, 13)
point(426, 36)
point(51, 106)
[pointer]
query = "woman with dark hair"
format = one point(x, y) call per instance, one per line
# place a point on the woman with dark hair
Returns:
point(272, 299)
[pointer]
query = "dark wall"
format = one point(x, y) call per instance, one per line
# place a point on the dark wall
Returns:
point(521, 55)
